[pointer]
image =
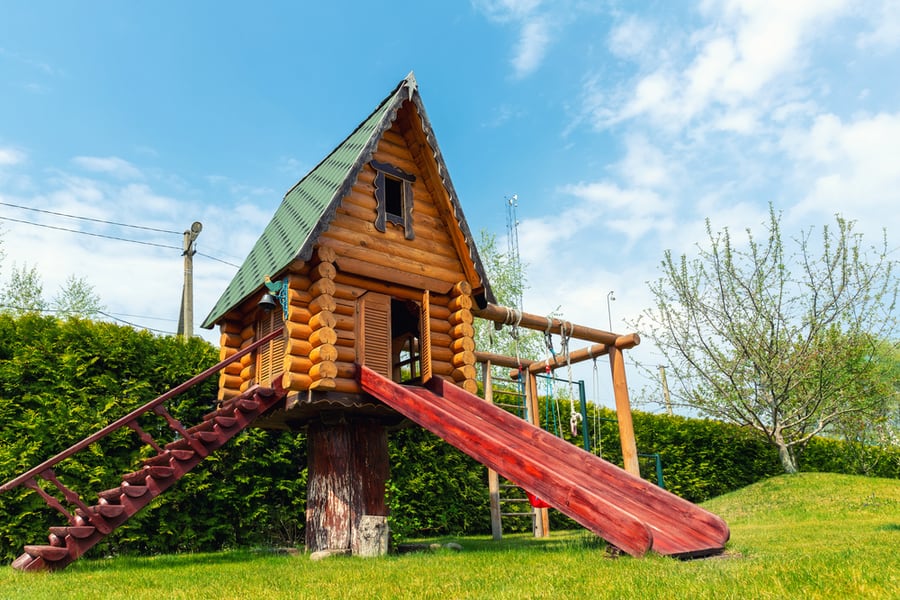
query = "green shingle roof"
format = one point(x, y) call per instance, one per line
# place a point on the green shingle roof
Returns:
point(310, 205)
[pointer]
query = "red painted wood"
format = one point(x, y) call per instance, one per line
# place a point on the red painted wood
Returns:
point(679, 527)
point(92, 523)
point(558, 471)
point(127, 419)
point(489, 444)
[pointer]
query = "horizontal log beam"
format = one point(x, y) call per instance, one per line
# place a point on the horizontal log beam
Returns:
point(512, 316)
point(536, 366)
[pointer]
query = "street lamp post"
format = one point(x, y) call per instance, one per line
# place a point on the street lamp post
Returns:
point(609, 297)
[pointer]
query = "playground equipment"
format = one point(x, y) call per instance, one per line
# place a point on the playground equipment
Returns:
point(379, 281)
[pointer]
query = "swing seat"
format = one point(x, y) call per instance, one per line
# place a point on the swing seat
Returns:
point(535, 501)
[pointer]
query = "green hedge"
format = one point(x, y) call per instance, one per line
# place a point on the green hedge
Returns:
point(63, 380)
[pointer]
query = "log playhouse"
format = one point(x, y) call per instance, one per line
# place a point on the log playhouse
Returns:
point(375, 282)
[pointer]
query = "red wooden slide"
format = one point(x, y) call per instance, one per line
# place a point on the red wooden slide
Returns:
point(626, 511)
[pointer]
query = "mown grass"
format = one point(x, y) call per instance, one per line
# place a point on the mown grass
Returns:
point(803, 536)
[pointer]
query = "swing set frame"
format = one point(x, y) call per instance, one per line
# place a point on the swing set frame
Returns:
point(602, 343)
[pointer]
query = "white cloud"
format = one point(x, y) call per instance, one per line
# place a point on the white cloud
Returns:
point(850, 166)
point(110, 165)
point(644, 165)
point(533, 41)
point(631, 38)
point(535, 29)
point(717, 71)
point(11, 156)
point(885, 35)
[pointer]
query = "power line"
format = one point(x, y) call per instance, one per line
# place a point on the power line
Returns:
point(59, 214)
point(110, 237)
point(99, 235)
point(135, 324)
point(225, 262)
point(24, 309)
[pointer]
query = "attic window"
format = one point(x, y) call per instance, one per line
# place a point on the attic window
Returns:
point(393, 194)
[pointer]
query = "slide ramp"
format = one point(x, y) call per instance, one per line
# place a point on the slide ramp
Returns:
point(628, 512)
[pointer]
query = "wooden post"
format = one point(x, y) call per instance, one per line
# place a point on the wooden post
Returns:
point(493, 477)
point(348, 469)
point(623, 412)
point(541, 515)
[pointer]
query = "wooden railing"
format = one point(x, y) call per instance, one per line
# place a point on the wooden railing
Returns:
point(44, 469)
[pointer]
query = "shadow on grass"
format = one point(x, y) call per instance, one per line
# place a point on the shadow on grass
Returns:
point(565, 541)
point(560, 541)
point(168, 561)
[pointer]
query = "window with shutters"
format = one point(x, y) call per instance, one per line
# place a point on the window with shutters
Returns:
point(394, 198)
point(270, 356)
point(391, 339)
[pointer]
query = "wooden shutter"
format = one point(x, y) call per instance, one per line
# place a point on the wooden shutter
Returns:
point(270, 357)
point(375, 332)
point(425, 339)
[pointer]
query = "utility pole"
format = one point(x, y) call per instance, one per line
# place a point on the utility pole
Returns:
point(665, 387)
point(186, 318)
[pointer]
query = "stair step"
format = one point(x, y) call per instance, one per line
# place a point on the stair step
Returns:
point(21, 563)
point(131, 490)
point(225, 422)
point(134, 491)
point(246, 405)
point(76, 531)
point(111, 495)
point(48, 553)
point(155, 471)
point(163, 460)
point(206, 436)
point(138, 477)
point(110, 511)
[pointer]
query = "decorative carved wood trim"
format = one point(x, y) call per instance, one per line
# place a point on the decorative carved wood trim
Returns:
point(425, 339)
point(383, 216)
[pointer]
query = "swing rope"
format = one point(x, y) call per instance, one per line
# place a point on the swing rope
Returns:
point(598, 434)
point(548, 373)
point(574, 415)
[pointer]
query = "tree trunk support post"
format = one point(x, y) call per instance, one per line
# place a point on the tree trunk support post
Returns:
point(348, 469)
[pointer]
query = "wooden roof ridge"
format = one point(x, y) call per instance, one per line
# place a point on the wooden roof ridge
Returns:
point(309, 206)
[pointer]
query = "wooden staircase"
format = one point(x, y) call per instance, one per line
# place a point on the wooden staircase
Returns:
point(89, 524)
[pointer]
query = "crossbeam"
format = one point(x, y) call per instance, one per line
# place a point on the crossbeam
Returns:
point(605, 343)
point(505, 315)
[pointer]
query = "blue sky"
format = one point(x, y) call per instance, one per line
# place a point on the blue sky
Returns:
point(620, 125)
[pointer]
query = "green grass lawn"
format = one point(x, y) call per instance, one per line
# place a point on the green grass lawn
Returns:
point(803, 536)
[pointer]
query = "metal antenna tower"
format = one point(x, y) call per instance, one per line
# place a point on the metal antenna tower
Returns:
point(512, 248)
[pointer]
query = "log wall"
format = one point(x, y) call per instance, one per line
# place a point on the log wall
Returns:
point(353, 257)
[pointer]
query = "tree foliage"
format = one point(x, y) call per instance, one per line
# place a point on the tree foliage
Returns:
point(24, 292)
point(508, 282)
point(77, 298)
point(784, 342)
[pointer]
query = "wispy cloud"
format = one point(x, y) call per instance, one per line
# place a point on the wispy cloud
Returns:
point(885, 33)
point(11, 156)
point(109, 165)
point(535, 25)
point(713, 73)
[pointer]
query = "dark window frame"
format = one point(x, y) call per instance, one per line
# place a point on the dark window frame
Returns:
point(384, 173)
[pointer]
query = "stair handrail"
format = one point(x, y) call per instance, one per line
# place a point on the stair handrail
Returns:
point(123, 421)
